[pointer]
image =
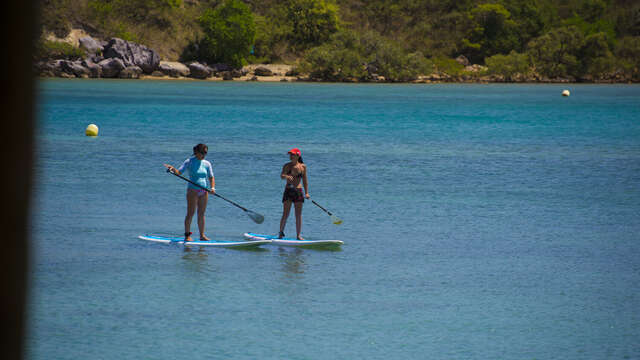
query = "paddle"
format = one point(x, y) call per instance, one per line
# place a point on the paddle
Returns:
point(334, 219)
point(253, 215)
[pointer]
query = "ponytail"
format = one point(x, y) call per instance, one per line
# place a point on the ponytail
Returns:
point(200, 148)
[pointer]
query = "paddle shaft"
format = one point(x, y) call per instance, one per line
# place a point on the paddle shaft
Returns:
point(204, 188)
point(318, 205)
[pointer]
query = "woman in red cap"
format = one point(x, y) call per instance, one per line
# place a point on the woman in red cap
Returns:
point(295, 173)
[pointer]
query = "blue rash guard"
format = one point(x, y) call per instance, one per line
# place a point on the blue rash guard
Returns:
point(199, 172)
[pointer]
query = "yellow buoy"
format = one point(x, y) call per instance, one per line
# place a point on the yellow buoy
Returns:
point(566, 93)
point(92, 130)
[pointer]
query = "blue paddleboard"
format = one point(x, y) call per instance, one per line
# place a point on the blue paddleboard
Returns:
point(291, 242)
point(218, 243)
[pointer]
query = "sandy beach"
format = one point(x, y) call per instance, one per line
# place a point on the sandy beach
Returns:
point(278, 70)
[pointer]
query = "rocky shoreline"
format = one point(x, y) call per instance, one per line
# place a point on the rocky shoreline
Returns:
point(118, 58)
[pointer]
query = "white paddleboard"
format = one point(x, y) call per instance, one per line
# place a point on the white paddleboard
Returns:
point(291, 242)
point(218, 243)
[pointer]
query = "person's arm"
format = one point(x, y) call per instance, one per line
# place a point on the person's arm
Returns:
point(283, 174)
point(177, 171)
point(212, 181)
point(212, 178)
point(305, 182)
point(172, 169)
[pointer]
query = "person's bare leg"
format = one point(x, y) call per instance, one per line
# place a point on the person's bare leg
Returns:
point(202, 207)
point(286, 208)
point(192, 199)
point(298, 210)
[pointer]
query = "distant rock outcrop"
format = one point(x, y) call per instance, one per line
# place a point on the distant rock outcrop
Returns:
point(111, 67)
point(130, 72)
point(132, 54)
point(91, 45)
point(95, 71)
point(462, 60)
point(174, 69)
point(199, 71)
point(74, 68)
point(262, 71)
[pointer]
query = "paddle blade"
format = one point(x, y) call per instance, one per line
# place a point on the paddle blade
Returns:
point(335, 220)
point(255, 217)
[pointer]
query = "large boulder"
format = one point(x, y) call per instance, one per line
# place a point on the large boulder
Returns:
point(74, 68)
point(220, 67)
point(48, 68)
point(174, 69)
point(90, 44)
point(111, 67)
point(130, 72)
point(199, 71)
point(263, 71)
point(226, 75)
point(462, 60)
point(95, 71)
point(132, 54)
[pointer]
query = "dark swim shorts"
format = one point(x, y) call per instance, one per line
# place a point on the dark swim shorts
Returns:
point(293, 194)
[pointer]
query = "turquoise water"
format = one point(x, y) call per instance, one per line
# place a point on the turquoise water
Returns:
point(480, 222)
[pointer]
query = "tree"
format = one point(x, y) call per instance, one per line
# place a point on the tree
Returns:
point(531, 18)
point(384, 16)
point(390, 59)
point(597, 57)
point(628, 53)
point(492, 32)
point(229, 33)
point(554, 54)
point(271, 43)
point(337, 60)
point(312, 21)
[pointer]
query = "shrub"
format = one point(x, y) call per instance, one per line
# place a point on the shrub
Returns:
point(229, 33)
point(338, 60)
point(350, 56)
point(312, 22)
point(628, 48)
point(271, 43)
point(628, 53)
point(390, 59)
point(447, 65)
point(46, 50)
point(509, 65)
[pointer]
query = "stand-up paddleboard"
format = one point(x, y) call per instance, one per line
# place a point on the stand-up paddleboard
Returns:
point(218, 243)
point(292, 242)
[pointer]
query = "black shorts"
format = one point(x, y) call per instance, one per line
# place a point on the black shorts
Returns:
point(293, 194)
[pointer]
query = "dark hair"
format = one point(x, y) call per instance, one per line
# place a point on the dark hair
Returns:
point(200, 148)
point(300, 159)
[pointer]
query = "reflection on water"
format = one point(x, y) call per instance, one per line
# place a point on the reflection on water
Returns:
point(293, 261)
point(196, 258)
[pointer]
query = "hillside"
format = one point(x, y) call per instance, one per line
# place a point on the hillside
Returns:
point(355, 39)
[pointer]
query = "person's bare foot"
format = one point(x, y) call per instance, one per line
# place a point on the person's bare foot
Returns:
point(204, 238)
point(300, 238)
point(187, 237)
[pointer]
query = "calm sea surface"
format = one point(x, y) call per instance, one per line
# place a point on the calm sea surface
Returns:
point(480, 222)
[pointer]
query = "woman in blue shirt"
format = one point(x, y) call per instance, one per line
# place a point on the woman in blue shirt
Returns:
point(200, 172)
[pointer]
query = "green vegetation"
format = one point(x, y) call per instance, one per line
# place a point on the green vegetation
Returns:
point(57, 50)
point(348, 56)
point(355, 40)
point(509, 65)
point(229, 33)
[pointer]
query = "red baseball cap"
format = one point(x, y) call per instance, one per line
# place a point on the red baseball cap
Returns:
point(295, 151)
